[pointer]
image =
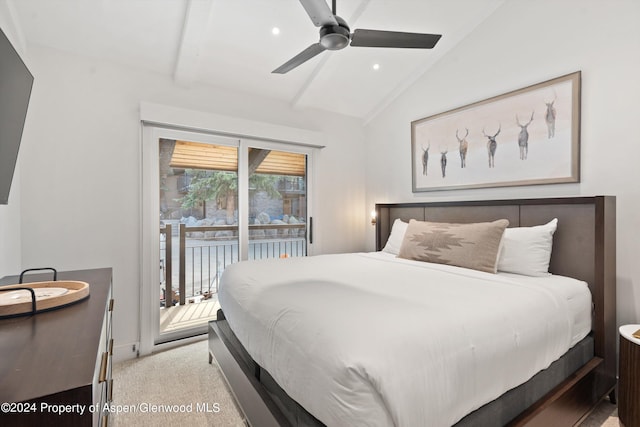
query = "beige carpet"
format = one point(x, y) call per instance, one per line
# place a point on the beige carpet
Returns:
point(176, 387)
point(179, 387)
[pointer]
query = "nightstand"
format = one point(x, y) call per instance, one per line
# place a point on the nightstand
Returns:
point(629, 377)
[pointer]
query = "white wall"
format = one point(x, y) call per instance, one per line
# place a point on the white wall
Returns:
point(522, 43)
point(81, 168)
point(10, 244)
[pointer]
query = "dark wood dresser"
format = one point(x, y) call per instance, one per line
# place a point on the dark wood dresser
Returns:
point(55, 367)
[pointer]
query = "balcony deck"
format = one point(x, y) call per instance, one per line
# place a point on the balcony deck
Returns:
point(193, 258)
point(188, 315)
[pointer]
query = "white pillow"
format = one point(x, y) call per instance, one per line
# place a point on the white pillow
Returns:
point(396, 237)
point(527, 250)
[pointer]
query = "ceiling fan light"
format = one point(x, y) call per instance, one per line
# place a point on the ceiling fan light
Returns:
point(334, 41)
point(335, 37)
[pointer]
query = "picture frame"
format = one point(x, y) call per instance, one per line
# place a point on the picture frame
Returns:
point(528, 136)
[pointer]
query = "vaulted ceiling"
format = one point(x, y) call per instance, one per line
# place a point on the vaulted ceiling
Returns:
point(230, 43)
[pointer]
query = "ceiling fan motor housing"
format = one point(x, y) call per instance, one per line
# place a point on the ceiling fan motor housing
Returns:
point(335, 37)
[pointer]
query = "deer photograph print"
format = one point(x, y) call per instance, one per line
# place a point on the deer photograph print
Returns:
point(524, 137)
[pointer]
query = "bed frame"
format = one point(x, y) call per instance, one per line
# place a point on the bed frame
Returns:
point(584, 247)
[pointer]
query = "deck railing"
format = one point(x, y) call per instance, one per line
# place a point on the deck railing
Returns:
point(203, 252)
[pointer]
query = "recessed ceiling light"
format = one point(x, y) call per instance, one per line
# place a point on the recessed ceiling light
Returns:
point(275, 31)
point(376, 67)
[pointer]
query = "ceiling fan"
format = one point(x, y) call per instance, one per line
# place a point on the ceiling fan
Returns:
point(335, 34)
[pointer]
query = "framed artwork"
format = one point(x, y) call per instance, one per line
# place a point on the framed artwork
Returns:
point(524, 137)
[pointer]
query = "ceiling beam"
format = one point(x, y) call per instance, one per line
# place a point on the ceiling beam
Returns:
point(197, 19)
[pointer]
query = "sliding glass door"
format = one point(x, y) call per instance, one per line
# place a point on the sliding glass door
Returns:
point(277, 195)
point(198, 193)
point(219, 200)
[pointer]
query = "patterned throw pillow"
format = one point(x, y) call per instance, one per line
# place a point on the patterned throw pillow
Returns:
point(474, 246)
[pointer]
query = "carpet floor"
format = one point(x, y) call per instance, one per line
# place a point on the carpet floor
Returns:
point(176, 387)
point(180, 387)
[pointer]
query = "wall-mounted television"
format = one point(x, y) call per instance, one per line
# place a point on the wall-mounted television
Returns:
point(15, 90)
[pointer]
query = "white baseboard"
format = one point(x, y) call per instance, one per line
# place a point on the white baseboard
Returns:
point(125, 351)
point(132, 350)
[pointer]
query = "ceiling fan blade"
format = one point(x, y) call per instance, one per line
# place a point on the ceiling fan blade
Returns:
point(319, 12)
point(300, 58)
point(375, 38)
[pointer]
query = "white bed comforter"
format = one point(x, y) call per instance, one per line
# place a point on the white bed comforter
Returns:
point(373, 340)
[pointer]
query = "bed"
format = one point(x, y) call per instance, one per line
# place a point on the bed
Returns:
point(283, 374)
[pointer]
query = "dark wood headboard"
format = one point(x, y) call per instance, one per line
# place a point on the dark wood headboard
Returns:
point(584, 247)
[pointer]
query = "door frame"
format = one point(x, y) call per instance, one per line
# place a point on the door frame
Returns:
point(150, 230)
